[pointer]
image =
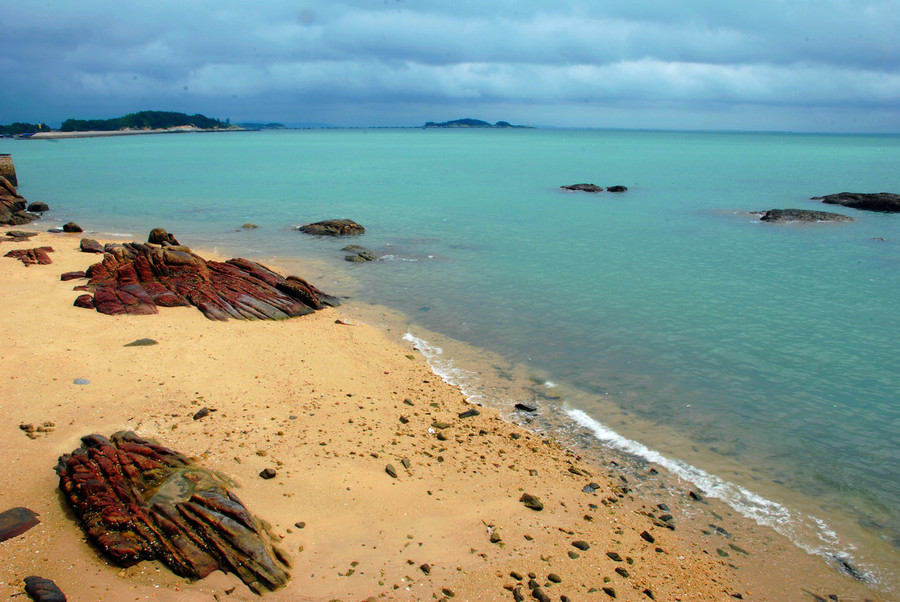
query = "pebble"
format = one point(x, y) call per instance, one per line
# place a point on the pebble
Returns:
point(469, 413)
point(532, 502)
point(554, 578)
point(300, 524)
point(517, 595)
point(142, 343)
point(495, 538)
point(622, 571)
point(614, 556)
point(392, 472)
point(516, 576)
point(406, 463)
point(268, 473)
point(591, 487)
point(425, 568)
point(525, 407)
point(581, 545)
point(201, 413)
point(81, 381)
point(647, 537)
point(609, 592)
point(574, 555)
point(539, 595)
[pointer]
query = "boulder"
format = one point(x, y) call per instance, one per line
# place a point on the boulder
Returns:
point(334, 227)
point(72, 227)
point(159, 236)
point(89, 245)
point(138, 500)
point(37, 255)
point(358, 253)
point(583, 188)
point(884, 202)
point(38, 207)
point(138, 278)
point(802, 215)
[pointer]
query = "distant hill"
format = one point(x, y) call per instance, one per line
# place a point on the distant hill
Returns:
point(144, 120)
point(17, 129)
point(471, 123)
point(251, 125)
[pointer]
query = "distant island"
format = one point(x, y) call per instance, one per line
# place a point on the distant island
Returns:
point(144, 120)
point(20, 129)
point(471, 123)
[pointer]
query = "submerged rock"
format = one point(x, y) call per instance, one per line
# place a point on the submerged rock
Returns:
point(358, 253)
point(138, 500)
point(138, 278)
point(333, 227)
point(583, 187)
point(885, 202)
point(802, 215)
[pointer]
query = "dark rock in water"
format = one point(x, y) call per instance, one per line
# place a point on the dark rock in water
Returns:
point(38, 207)
point(72, 227)
point(142, 343)
point(525, 407)
point(138, 278)
point(583, 188)
point(159, 236)
point(89, 245)
point(249, 226)
point(43, 590)
point(37, 255)
point(802, 215)
point(65, 277)
point(532, 502)
point(16, 521)
point(358, 253)
point(885, 202)
point(616, 189)
point(138, 500)
point(333, 227)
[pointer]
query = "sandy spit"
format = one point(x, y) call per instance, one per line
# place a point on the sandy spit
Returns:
point(321, 403)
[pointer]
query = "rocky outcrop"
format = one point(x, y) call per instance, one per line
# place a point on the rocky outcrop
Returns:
point(884, 202)
point(37, 207)
point(358, 254)
point(34, 256)
point(138, 278)
point(138, 500)
point(333, 227)
point(593, 188)
point(89, 245)
point(12, 206)
point(802, 215)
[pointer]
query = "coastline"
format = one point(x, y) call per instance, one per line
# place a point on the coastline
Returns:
point(345, 387)
point(56, 135)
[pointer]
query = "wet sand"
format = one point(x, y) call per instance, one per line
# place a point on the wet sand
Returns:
point(321, 403)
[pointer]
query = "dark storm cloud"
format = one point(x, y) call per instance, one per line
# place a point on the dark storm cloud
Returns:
point(756, 65)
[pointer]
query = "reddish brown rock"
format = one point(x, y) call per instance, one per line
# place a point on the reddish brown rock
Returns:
point(89, 245)
point(138, 278)
point(159, 236)
point(71, 276)
point(16, 521)
point(37, 255)
point(138, 500)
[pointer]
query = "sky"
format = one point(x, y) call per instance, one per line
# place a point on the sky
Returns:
point(770, 65)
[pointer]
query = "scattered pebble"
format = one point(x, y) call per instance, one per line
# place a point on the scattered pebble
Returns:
point(581, 545)
point(142, 343)
point(81, 381)
point(268, 473)
point(392, 472)
point(532, 502)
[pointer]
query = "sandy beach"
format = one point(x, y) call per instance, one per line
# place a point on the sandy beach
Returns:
point(328, 401)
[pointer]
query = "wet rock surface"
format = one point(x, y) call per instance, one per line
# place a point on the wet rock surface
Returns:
point(884, 202)
point(138, 500)
point(138, 278)
point(12, 206)
point(802, 215)
point(333, 227)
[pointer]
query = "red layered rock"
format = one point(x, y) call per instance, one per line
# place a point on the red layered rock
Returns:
point(138, 278)
point(37, 255)
point(138, 500)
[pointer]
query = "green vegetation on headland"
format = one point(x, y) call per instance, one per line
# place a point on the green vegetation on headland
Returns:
point(144, 120)
point(17, 129)
point(471, 123)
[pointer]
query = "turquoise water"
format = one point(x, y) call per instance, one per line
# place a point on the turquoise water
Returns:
point(770, 350)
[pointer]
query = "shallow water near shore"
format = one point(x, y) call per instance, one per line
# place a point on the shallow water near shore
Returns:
point(758, 354)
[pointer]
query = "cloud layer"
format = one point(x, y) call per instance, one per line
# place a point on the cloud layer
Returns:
point(826, 65)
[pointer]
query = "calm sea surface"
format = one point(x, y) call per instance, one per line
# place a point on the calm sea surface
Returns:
point(758, 361)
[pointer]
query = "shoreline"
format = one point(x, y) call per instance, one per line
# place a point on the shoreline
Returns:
point(57, 135)
point(348, 375)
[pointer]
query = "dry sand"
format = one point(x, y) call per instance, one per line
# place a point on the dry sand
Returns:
point(320, 402)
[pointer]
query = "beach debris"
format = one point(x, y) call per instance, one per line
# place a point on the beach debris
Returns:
point(89, 245)
point(38, 255)
point(333, 227)
point(885, 202)
point(532, 502)
point(159, 236)
point(137, 278)
point(43, 590)
point(15, 521)
point(72, 227)
point(138, 500)
point(142, 343)
point(780, 216)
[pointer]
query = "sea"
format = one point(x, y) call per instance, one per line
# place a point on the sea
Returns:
point(756, 361)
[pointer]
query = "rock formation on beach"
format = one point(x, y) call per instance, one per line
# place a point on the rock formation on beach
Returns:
point(12, 206)
point(885, 202)
point(137, 278)
point(38, 255)
point(333, 227)
point(802, 215)
point(138, 500)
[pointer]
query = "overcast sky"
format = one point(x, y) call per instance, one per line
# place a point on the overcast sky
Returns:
point(800, 65)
